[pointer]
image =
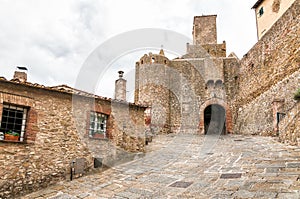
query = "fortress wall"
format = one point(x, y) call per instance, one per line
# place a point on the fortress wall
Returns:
point(268, 72)
point(272, 58)
point(257, 117)
point(289, 128)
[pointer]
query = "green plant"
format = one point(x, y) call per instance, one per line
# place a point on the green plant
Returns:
point(12, 133)
point(297, 95)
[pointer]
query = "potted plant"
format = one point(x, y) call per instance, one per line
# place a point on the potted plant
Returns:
point(10, 135)
point(297, 95)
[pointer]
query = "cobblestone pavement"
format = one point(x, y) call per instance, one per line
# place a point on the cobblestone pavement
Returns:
point(183, 167)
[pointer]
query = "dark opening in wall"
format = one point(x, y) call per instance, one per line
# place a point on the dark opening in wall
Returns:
point(219, 84)
point(214, 119)
point(97, 162)
point(210, 84)
point(261, 11)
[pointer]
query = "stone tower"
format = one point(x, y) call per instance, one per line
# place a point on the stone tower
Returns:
point(192, 93)
point(152, 89)
point(120, 87)
point(205, 30)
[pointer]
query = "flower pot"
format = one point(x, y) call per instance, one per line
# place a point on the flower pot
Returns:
point(11, 137)
point(99, 135)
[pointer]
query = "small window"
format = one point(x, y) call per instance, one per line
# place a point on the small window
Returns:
point(13, 122)
point(97, 125)
point(219, 84)
point(152, 60)
point(210, 84)
point(261, 11)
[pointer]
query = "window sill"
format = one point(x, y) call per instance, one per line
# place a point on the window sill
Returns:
point(97, 138)
point(13, 141)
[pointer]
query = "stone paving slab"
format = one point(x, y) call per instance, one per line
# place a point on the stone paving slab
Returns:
point(254, 167)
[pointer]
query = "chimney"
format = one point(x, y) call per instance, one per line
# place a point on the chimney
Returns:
point(21, 74)
point(120, 87)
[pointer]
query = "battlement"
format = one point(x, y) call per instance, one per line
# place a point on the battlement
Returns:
point(154, 59)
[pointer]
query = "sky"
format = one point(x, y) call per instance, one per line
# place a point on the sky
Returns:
point(54, 38)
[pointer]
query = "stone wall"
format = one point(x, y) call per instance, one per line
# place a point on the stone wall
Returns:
point(269, 71)
point(198, 83)
point(37, 163)
point(272, 58)
point(57, 134)
point(206, 50)
point(188, 86)
point(257, 116)
point(289, 127)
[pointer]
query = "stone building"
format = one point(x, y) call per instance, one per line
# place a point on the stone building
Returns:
point(268, 78)
point(189, 93)
point(267, 12)
point(61, 128)
point(205, 91)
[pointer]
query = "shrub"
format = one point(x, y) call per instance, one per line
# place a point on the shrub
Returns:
point(297, 95)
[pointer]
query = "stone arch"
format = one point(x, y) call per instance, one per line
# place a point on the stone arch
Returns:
point(214, 119)
point(228, 113)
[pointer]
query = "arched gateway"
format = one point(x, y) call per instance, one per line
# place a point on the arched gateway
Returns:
point(214, 119)
point(215, 114)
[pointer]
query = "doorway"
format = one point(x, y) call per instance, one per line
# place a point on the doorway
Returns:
point(214, 120)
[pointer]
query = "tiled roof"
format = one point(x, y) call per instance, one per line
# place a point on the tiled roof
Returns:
point(66, 89)
point(257, 4)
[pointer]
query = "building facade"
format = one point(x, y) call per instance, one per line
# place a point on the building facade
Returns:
point(189, 93)
point(57, 128)
point(267, 12)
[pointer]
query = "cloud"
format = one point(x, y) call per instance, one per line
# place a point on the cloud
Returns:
point(53, 38)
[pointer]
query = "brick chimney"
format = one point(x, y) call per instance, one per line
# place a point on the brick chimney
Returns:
point(21, 74)
point(120, 87)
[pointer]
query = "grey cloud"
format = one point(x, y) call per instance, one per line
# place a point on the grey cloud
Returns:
point(56, 49)
point(55, 37)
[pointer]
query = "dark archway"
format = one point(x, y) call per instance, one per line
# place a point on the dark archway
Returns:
point(214, 119)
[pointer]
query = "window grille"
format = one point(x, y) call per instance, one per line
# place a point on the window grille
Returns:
point(14, 120)
point(97, 124)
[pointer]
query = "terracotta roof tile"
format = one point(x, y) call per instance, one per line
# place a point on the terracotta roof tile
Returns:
point(66, 89)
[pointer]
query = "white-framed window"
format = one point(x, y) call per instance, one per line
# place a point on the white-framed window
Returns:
point(97, 127)
point(13, 121)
